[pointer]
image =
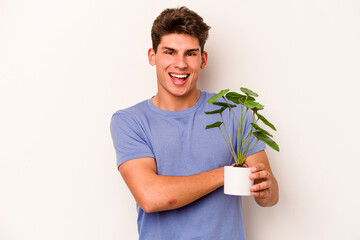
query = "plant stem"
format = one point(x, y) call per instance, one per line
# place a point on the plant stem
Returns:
point(231, 150)
point(242, 121)
point(250, 137)
point(242, 129)
point(253, 146)
point(231, 109)
point(238, 135)
point(238, 123)
point(228, 135)
point(229, 120)
point(248, 143)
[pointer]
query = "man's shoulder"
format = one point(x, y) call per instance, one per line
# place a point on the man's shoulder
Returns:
point(139, 108)
point(132, 115)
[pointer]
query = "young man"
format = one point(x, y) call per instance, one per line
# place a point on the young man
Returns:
point(171, 164)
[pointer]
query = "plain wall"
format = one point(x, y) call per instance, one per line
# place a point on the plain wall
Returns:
point(66, 66)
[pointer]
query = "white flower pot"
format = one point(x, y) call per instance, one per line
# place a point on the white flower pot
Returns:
point(236, 181)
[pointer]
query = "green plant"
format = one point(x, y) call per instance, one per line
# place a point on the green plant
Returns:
point(247, 101)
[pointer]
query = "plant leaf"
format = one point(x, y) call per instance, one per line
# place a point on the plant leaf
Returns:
point(271, 143)
point(216, 111)
point(214, 125)
point(260, 129)
point(234, 97)
point(249, 98)
point(222, 104)
point(251, 105)
point(249, 92)
point(217, 96)
point(238, 98)
point(265, 121)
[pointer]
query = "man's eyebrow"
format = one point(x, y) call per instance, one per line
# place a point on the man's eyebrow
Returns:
point(188, 50)
point(169, 48)
point(193, 50)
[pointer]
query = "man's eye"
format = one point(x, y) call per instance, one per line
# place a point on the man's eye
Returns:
point(170, 53)
point(191, 54)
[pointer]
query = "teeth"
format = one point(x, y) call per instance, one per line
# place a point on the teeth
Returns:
point(179, 76)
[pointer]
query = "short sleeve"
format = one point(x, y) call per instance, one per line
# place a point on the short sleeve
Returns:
point(128, 139)
point(259, 145)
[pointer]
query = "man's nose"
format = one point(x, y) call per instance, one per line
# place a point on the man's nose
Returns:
point(181, 62)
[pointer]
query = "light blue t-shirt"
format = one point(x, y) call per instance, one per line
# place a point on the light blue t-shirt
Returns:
point(181, 146)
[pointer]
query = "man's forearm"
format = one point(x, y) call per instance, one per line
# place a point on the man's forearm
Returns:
point(171, 192)
point(155, 192)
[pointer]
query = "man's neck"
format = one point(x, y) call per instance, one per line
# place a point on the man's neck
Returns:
point(174, 103)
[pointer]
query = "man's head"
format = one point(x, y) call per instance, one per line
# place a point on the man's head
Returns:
point(179, 20)
point(179, 37)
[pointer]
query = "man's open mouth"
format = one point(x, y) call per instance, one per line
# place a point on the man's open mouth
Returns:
point(179, 79)
point(179, 76)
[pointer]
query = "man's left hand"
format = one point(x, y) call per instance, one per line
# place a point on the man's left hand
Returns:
point(262, 181)
point(265, 188)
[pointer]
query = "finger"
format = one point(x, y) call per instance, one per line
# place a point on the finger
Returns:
point(258, 167)
point(262, 194)
point(260, 175)
point(260, 186)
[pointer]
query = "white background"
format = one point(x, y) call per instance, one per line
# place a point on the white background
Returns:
point(66, 66)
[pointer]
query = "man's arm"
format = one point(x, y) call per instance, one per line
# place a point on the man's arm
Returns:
point(265, 189)
point(155, 193)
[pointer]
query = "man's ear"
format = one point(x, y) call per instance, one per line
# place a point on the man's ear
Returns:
point(204, 58)
point(151, 56)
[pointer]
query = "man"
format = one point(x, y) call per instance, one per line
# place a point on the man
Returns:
point(171, 164)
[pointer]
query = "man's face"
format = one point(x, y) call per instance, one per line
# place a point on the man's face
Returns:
point(178, 61)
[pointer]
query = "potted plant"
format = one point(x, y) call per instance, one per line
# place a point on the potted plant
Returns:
point(236, 179)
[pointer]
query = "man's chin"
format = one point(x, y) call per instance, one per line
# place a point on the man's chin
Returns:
point(183, 93)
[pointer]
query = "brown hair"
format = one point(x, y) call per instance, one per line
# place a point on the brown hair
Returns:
point(179, 20)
